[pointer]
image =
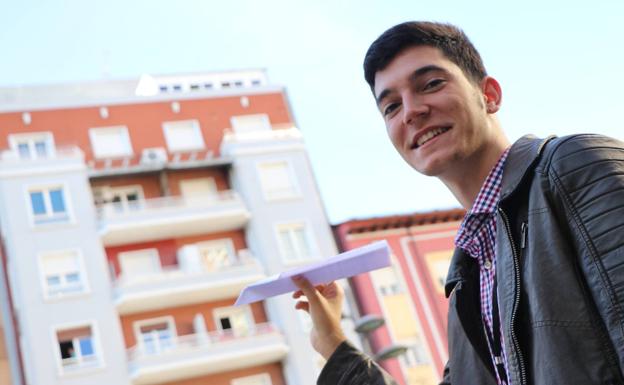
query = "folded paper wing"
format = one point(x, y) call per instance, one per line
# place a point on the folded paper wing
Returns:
point(353, 262)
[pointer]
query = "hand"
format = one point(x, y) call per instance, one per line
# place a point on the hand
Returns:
point(324, 304)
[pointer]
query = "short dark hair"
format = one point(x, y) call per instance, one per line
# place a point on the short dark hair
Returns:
point(449, 39)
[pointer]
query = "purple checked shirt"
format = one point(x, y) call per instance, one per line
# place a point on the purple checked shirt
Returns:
point(477, 237)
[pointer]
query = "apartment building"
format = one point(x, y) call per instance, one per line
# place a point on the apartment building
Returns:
point(133, 212)
point(403, 309)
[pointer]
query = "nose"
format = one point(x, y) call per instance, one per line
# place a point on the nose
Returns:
point(413, 109)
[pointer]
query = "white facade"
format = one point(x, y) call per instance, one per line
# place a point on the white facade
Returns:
point(295, 214)
point(47, 317)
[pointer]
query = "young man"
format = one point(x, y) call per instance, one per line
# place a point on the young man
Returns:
point(536, 283)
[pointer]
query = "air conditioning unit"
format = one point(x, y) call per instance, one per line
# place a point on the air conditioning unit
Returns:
point(154, 155)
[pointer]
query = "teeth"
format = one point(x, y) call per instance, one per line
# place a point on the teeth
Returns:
point(430, 135)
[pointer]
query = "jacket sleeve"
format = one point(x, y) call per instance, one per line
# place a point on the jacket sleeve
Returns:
point(349, 366)
point(587, 172)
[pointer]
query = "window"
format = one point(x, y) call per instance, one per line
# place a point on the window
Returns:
point(415, 355)
point(387, 281)
point(139, 263)
point(77, 348)
point(248, 123)
point(63, 273)
point(234, 321)
point(258, 379)
point(48, 205)
point(294, 241)
point(156, 335)
point(198, 188)
point(215, 255)
point(110, 142)
point(184, 135)
point(33, 145)
point(121, 199)
point(277, 180)
point(438, 263)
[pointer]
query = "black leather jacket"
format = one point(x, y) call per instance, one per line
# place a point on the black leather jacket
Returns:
point(560, 271)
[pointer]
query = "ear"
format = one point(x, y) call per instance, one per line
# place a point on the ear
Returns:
point(492, 94)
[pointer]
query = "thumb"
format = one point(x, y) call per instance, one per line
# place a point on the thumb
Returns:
point(306, 287)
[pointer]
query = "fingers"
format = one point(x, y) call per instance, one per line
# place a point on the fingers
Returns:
point(303, 305)
point(306, 288)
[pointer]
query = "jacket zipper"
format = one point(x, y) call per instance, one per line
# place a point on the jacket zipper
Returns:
point(516, 264)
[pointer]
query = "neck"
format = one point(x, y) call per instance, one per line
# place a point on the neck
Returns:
point(466, 180)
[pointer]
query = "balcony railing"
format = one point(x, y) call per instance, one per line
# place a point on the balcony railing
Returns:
point(154, 159)
point(182, 285)
point(194, 355)
point(68, 156)
point(168, 217)
point(62, 152)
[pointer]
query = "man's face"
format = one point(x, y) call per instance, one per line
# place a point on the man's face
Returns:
point(435, 117)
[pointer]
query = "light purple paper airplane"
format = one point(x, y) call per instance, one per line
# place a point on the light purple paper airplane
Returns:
point(353, 262)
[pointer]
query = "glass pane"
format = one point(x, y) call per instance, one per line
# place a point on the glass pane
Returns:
point(86, 346)
point(72, 277)
point(36, 200)
point(24, 150)
point(53, 280)
point(287, 245)
point(58, 203)
point(302, 242)
point(148, 343)
point(41, 148)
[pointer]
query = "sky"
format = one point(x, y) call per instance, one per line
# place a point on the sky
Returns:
point(560, 64)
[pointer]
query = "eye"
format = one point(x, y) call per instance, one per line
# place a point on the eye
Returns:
point(434, 84)
point(391, 107)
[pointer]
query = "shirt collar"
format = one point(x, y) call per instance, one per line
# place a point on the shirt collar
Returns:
point(484, 206)
point(488, 196)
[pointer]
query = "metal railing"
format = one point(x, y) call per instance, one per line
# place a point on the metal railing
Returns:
point(125, 209)
point(61, 152)
point(216, 340)
point(170, 273)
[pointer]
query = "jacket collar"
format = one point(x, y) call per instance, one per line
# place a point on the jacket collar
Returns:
point(523, 155)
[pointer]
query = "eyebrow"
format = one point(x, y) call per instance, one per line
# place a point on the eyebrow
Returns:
point(419, 72)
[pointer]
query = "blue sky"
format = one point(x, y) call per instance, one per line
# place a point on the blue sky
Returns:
point(560, 63)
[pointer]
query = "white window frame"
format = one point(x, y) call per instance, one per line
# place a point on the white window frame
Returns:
point(125, 139)
point(168, 131)
point(240, 123)
point(309, 236)
point(95, 341)
point(270, 196)
point(84, 281)
point(395, 288)
point(169, 320)
point(264, 377)
point(30, 138)
point(229, 244)
point(212, 181)
point(107, 193)
point(48, 217)
point(154, 252)
point(220, 312)
point(410, 359)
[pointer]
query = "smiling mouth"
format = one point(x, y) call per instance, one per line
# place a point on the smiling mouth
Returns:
point(430, 135)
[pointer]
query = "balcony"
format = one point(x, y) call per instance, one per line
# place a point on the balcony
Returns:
point(202, 354)
point(155, 159)
point(170, 217)
point(12, 162)
point(186, 284)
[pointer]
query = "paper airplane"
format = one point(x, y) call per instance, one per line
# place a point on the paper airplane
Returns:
point(353, 262)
